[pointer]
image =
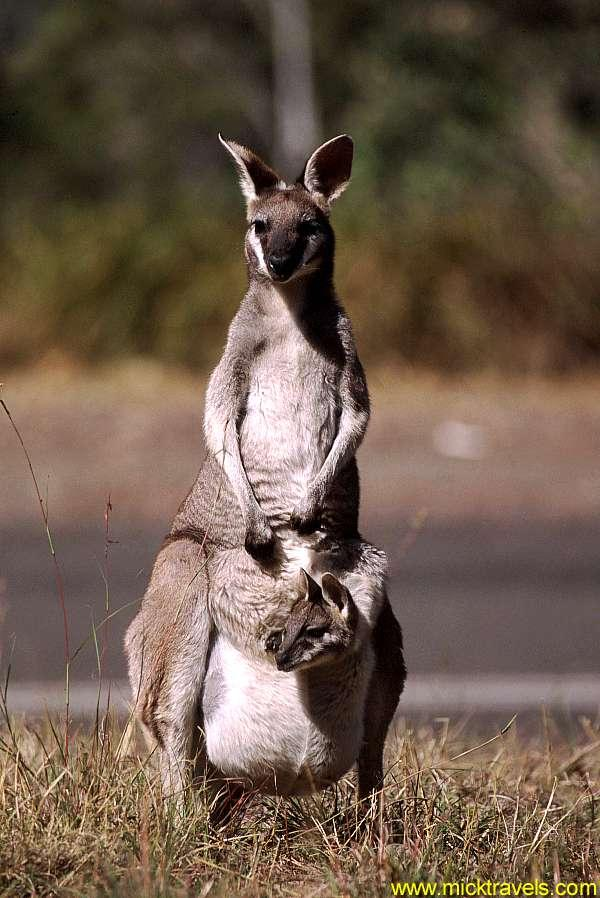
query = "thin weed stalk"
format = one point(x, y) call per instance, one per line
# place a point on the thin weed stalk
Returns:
point(56, 567)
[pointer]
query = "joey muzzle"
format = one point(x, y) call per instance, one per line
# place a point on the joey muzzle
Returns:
point(281, 649)
point(284, 660)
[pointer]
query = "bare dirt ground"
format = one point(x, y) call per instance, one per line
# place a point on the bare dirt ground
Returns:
point(485, 494)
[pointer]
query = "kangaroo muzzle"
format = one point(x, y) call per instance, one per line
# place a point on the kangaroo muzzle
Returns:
point(282, 266)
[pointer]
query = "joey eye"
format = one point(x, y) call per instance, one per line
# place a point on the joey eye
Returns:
point(259, 225)
point(273, 641)
point(316, 632)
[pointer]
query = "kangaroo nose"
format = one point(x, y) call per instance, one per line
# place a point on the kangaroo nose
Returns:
point(280, 265)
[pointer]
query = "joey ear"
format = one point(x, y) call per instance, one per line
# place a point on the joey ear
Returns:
point(337, 593)
point(255, 175)
point(309, 587)
point(327, 171)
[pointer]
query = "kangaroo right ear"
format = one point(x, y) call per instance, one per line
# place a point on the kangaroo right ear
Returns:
point(255, 175)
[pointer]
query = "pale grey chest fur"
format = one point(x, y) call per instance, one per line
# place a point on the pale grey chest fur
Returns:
point(284, 732)
point(288, 423)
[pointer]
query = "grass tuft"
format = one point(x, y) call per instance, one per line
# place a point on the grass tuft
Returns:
point(94, 823)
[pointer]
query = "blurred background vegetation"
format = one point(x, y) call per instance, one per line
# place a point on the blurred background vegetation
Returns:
point(469, 239)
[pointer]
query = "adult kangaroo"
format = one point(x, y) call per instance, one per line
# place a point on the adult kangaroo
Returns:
point(286, 408)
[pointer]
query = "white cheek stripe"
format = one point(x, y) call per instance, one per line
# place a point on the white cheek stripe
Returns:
point(258, 252)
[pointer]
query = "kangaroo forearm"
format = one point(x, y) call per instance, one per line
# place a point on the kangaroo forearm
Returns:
point(225, 399)
point(223, 443)
point(348, 438)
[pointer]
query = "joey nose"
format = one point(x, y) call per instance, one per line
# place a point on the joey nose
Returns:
point(280, 266)
point(283, 662)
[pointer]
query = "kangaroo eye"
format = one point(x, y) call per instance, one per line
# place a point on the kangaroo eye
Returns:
point(311, 227)
point(259, 225)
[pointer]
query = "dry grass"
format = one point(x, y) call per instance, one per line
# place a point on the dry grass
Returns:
point(95, 824)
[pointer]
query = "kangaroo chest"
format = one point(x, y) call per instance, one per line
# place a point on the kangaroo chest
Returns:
point(289, 421)
point(283, 732)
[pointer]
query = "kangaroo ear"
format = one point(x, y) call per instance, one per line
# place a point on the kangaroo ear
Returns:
point(254, 174)
point(337, 593)
point(309, 587)
point(327, 171)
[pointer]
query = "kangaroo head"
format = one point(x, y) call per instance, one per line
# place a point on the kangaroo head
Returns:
point(321, 623)
point(289, 234)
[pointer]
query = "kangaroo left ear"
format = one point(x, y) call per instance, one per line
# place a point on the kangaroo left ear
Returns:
point(337, 593)
point(327, 171)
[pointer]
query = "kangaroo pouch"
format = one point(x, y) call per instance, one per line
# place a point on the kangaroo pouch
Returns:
point(285, 733)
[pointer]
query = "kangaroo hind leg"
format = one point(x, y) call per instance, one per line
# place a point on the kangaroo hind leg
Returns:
point(167, 646)
point(385, 688)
